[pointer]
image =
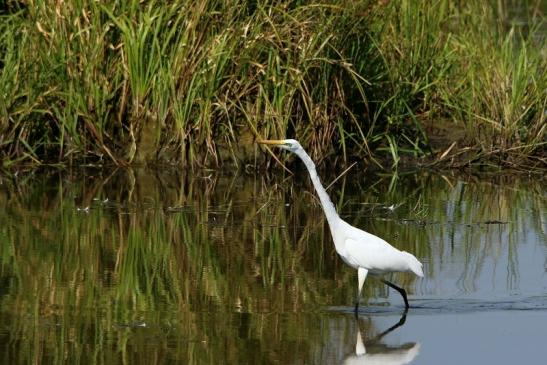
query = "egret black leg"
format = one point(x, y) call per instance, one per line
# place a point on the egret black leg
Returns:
point(400, 290)
point(357, 308)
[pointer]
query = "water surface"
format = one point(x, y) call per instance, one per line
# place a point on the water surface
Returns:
point(155, 266)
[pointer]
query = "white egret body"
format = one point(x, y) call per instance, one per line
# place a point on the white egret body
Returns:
point(361, 250)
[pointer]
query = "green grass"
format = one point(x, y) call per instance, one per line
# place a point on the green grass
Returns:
point(196, 82)
point(503, 105)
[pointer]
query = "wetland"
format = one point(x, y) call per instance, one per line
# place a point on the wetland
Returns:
point(141, 266)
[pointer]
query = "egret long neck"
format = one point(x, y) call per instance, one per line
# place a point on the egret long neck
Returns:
point(328, 207)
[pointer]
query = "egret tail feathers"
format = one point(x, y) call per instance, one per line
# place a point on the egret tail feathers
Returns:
point(414, 265)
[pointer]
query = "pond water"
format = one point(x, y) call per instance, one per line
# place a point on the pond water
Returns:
point(165, 266)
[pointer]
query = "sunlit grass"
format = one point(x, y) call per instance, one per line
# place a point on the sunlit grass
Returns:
point(196, 82)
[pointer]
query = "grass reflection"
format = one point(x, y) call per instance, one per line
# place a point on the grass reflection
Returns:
point(137, 266)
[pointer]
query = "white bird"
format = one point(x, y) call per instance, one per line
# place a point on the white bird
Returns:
point(361, 250)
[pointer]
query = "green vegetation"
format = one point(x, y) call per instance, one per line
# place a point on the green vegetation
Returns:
point(196, 82)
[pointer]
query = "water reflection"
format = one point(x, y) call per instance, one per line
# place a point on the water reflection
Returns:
point(236, 267)
point(373, 351)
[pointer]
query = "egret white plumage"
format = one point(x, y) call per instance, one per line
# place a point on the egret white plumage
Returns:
point(361, 250)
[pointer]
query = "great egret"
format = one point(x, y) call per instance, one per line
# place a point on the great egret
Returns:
point(361, 250)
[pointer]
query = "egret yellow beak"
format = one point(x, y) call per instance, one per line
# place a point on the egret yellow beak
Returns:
point(274, 142)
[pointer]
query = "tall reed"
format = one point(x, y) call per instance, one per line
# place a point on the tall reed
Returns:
point(197, 81)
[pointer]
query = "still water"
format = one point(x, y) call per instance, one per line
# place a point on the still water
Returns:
point(166, 266)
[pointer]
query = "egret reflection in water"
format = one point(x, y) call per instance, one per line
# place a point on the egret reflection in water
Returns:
point(374, 351)
point(174, 267)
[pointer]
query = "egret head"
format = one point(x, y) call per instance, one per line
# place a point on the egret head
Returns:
point(287, 144)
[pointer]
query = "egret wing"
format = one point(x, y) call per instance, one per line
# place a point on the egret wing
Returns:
point(374, 254)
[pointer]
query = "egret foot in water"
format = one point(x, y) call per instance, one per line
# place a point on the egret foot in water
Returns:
point(391, 285)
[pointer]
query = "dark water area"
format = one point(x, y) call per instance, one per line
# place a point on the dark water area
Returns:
point(205, 267)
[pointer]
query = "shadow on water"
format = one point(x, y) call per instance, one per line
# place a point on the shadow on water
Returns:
point(140, 266)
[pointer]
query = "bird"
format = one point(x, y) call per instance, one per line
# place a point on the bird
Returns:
point(363, 251)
